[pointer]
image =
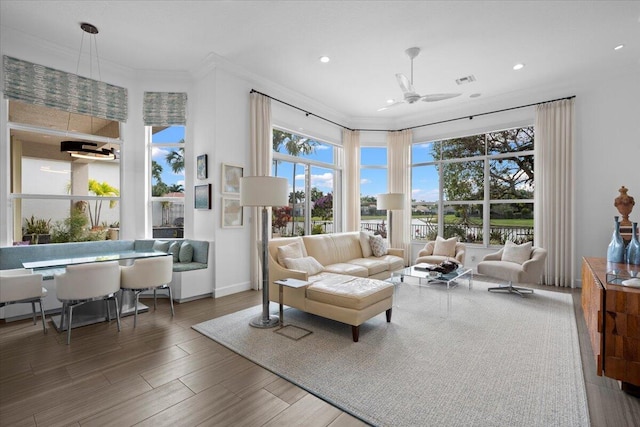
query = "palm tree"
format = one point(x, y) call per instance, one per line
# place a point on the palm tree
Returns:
point(175, 188)
point(102, 189)
point(295, 145)
point(175, 159)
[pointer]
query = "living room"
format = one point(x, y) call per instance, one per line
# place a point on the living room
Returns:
point(606, 103)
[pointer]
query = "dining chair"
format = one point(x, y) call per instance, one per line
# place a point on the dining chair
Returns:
point(21, 286)
point(83, 283)
point(147, 274)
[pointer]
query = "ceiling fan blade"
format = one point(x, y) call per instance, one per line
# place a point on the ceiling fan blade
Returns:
point(386, 107)
point(439, 96)
point(405, 83)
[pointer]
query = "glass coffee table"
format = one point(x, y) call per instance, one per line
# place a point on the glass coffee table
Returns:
point(432, 277)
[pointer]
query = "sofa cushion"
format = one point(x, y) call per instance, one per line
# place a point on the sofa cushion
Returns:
point(373, 265)
point(292, 250)
point(308, 264)
point(445, 247)
point(394, 262)
point(160, 246)
point(378, 245)
point(174, 249)
point(365, 245)
point(348, 269)
point(354, 293)
point(186, 252)
point(517, 253)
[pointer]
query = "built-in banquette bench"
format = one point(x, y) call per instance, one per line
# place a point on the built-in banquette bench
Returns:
point(14, 257)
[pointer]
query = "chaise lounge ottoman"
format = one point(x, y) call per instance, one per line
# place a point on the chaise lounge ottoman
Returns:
point(348, 299)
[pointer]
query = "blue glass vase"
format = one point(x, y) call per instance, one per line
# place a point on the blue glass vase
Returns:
point(633, 249)
point(615, 251)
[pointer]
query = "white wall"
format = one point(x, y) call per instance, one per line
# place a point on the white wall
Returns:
point(607, 157)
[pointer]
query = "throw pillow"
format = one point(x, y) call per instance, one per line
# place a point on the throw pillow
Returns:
point(365, 245)
point(517, 253)
point(160, 246)
point(308, 264)
point(174, 249)
point(292, 250)
point(186, 252)
point(378, 245)
point(445, 247)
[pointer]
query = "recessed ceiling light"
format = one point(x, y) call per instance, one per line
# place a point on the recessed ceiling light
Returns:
point(620, 46)
point(325, 59)
point(518, 67)
point(390, 101)
point(475, 95)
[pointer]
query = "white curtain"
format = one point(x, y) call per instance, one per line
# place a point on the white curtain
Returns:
point(261, 159)
point(399, 170)
point(554, 190)
point(351, 174)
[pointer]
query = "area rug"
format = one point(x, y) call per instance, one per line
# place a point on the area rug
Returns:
point(457, 357)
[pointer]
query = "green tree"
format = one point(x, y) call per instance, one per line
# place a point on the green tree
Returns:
point(101, 189)
point(158, 189)
point(296, 197)
point(175, 188)
point(175, 158)
point(294, 145)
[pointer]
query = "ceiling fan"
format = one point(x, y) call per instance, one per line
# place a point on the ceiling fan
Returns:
point(409, 93)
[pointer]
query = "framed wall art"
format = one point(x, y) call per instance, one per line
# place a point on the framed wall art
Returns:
point(231, 175)
point(232, 213)
point(201, 166)
point(202, 196)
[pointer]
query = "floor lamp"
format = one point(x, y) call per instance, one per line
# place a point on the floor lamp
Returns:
point(264, 191)
point(390, 202)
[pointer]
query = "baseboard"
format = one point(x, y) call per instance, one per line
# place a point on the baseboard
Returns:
point(232, 289)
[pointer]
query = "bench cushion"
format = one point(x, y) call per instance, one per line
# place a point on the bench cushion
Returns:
point(373, 265)
point(348, 269)
point(356, 293)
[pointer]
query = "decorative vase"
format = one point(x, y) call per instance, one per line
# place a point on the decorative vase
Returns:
point(615, 251)
point(624, 203)
point(633, 249)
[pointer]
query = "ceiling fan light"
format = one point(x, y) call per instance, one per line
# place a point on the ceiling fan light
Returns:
point(83, 150)
point(390, 101)
point(518, 66)
point(620, 46)
point(325, 59)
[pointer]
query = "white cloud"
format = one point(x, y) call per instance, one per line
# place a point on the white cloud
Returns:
point(422, 195)
point(323, 181)
point(157, 152)
point(365, 181)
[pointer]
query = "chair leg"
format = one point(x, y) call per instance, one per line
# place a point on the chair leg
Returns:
point(69, 319)
point(33, 311)
point(170, 300)
point(106, 301)
point(115, 300)
point(155, 303)
point(512, 289)
point(44, 324)
point(64, 309)
point(135, 314)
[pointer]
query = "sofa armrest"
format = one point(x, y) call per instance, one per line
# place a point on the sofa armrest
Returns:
point(495, 256)
point(396, 252)
point(460, 257)
point(278, 272)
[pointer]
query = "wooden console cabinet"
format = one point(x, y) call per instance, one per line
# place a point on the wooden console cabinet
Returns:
point(612, 314)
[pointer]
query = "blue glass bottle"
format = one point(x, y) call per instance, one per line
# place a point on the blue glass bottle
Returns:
point(615, 251)
point(633, 249)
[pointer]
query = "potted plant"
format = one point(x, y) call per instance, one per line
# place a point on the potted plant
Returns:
point(114, 231)
point(37, 230)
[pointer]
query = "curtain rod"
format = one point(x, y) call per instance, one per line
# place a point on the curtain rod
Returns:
point(470, 117)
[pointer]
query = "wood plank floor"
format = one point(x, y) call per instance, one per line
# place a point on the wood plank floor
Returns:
point(165, 373)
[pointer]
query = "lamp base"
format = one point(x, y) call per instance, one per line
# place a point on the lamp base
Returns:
point(260, 322)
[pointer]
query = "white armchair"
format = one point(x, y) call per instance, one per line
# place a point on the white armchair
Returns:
point(528, 271)
point(22, 286)
point(426, 254)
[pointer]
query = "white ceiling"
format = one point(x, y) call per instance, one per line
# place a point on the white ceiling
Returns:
point(281, 41)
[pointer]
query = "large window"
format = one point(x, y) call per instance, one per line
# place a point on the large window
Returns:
point(373, 181)
point(309, 166)
point(479, 187)
point(166, 146)
point(62, 195)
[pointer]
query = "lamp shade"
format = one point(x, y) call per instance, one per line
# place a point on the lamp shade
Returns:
point(391, 201)
point(263, 191)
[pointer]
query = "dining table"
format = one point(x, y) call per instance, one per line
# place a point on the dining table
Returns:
point(94, 311)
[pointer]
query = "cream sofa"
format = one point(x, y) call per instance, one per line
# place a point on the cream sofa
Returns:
point(350, 287)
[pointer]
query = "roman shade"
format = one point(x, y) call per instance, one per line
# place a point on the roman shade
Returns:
point(40, 85)
point(164, 108)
